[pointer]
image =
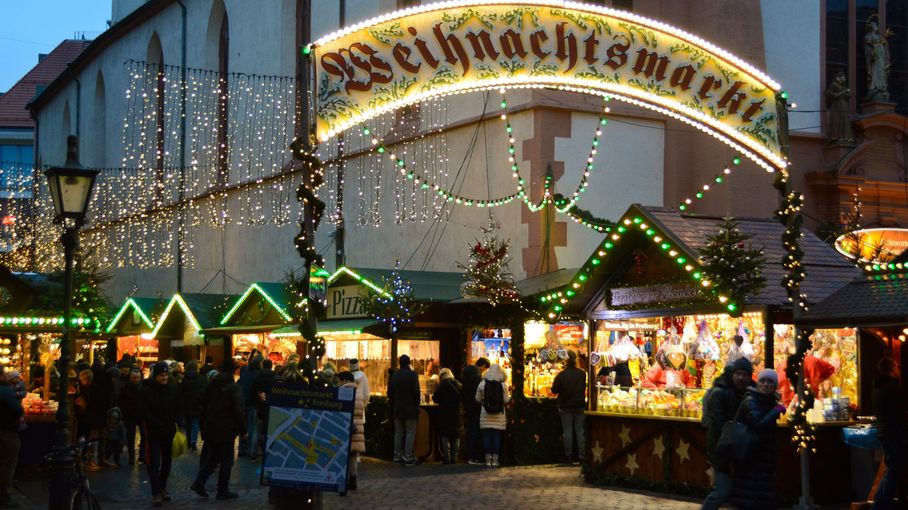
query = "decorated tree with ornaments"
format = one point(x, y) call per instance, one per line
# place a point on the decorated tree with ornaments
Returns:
point(394, 304)
point(487, 270)
point(733, 265)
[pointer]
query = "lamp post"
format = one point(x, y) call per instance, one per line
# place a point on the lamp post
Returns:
point(70, 188)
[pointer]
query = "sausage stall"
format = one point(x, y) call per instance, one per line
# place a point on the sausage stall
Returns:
point(659, 340)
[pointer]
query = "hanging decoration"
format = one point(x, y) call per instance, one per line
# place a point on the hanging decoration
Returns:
point(487, 270)
point(719, 178)
point(734, 265)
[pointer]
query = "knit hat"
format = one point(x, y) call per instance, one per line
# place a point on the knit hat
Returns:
point(159, 368)
point(744, 365)
point(768, 373)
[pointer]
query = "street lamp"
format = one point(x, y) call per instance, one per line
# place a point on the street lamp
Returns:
point(70, 188)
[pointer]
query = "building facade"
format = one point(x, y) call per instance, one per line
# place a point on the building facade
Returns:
point(189, 107)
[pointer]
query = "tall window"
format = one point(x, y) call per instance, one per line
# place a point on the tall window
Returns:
point(846, 21)
point(223, 98)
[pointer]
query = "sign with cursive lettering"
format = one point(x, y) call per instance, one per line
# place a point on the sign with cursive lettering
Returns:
point(636, 296)
point(405, 57)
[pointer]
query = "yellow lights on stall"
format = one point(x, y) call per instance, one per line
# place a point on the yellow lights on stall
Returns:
point(129, 304)
point(176, 300)
point(689, 263)
point(256, 288)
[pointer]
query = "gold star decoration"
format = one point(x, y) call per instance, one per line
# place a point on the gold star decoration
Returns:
point(683, 450)
point(631, 464)
point(597, 452)
point(625, 435)
point(659, 446)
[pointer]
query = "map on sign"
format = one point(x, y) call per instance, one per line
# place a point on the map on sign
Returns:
point(308, 442)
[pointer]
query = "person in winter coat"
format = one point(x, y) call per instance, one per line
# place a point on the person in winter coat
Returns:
point(721, 404)
point(570, 386)
point(223, 419)
point(113, 437)
point(492, 422)
point(247, 376)
point(10, 413)
point(448, 398)
point(261, 387)
point(14, 381)
point(362, 381)
point(403, 392)
point(208, 366)
point(192, 388)
point(159, 404)
point(132, 417)
point(889, 407)
point(358, 437)
point(472, 376)
point(753, 484)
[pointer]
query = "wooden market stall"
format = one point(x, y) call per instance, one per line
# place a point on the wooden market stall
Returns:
point(642, 292)
point(132, 328)
point(179, 329)
point(249, 323)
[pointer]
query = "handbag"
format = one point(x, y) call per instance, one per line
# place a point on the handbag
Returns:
point(736, 441)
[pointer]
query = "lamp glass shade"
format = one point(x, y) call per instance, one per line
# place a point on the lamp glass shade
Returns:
point(70, 189)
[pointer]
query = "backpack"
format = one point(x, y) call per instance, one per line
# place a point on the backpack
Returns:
point(493, 397)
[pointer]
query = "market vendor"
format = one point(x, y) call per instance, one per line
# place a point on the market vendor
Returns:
point(815, 369)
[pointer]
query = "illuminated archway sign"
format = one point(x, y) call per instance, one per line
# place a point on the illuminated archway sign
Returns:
point(454, 47)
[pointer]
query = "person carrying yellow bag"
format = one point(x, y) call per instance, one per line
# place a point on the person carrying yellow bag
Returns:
point(180, 444)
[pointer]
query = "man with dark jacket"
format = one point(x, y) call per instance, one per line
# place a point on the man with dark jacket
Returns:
point(403, 392)
point(721, 405)
point(570, 386)
point(223, 419)
point(472, 376)
point(192, 389)
point(889, 407)
point(10, 413)
point(132, 413)
point(247, 376)
point(208, 366)
point(160, 405)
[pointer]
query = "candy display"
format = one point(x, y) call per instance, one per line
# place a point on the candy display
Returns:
point(682, 402)
point(34, 405)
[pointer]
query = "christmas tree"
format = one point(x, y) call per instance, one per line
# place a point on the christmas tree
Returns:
point(487, 271)
point(733, 265)
point(395, 304)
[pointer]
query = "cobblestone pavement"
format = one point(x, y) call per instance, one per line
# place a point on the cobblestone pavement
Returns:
point(381, 485)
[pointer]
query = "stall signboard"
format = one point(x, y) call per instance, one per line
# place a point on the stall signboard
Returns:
point(391, 61)
point(346, 302)
point(873, 244)
point(653, 294)
point(569, 334)
point(308, 437)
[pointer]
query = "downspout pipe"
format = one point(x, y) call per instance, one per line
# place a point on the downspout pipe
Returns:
point(182, 149)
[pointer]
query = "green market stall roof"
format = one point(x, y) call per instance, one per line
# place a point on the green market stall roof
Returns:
point(137, 315)
point(349, 326)
point(879, 299)
point(663, 236)
point(263, 303)
point(200, 311)
point(430, 286)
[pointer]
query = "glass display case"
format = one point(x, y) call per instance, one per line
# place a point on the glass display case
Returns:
point(677, 402)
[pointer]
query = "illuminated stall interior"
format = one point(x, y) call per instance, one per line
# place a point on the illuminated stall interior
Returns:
point(249, 322)
point(545, 347)
point(431, 342)
point(653, 316)
point(179, 330)
point(132, 327)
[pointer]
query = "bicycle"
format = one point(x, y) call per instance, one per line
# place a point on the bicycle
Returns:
point(82, 498)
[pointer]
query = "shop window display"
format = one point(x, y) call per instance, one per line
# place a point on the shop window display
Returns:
point(545, 347)
point(663, 366)
point(374, 355)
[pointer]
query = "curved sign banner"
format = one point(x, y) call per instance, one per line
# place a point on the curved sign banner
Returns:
point(452, 47)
